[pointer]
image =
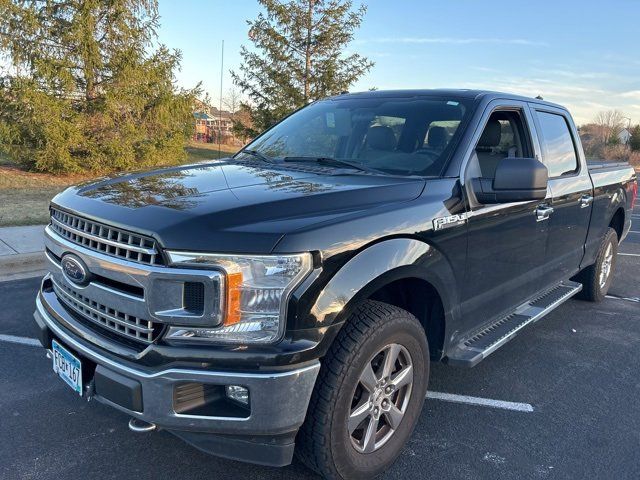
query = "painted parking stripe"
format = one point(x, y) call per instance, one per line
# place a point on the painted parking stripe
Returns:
point(483, 402)
point(446, 397)
point(628, 299)
point(32, 342)
point(629, 254)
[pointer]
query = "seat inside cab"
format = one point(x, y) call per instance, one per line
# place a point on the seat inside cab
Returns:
point(502, 137)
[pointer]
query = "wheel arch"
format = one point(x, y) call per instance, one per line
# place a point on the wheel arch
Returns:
point(617, 222)
point(399, 271)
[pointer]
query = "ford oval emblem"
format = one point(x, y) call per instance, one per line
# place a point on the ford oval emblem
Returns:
point(74, 269)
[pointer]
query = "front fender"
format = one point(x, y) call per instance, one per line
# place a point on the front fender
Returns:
point(377, 266)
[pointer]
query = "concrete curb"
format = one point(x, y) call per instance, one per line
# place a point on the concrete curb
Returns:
point(24, 265)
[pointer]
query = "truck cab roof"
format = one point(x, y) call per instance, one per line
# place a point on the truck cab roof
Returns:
point(487, 95)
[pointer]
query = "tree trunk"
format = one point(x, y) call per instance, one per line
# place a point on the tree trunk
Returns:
point(90, 51)
point(307, 65)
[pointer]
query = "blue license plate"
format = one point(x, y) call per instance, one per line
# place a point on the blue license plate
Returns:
point(67, 366)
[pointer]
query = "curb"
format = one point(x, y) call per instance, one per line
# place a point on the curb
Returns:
point(23, 265)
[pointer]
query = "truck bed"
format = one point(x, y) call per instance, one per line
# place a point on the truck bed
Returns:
point(597, 164)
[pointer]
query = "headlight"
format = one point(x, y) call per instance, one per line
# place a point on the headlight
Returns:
point(256, 289)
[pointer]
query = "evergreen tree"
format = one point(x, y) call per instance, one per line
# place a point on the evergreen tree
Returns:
point(298, 57)
point(86, 89)
point(634, 141)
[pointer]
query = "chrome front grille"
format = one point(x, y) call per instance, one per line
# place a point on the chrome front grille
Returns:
point(106, 239)
point(121, 323)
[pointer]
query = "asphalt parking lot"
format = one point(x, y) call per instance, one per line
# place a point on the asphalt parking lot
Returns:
point(573, 380)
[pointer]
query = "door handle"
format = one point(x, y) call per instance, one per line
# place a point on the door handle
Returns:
point(585, 201)
point(543, 212)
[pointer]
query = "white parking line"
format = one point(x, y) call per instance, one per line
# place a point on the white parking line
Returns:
point(483, 402)
point(629, 254)
point(628, 299)
point(446, 397)
point(32, 342)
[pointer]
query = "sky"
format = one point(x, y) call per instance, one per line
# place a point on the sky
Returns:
point(582, 54)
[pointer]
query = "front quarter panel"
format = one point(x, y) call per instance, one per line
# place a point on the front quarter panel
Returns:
point(375, 267)
point(424, 239)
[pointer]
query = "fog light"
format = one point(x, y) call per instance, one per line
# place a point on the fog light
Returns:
point(238, 394)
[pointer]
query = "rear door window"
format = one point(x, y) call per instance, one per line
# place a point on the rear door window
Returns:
point(558, 148)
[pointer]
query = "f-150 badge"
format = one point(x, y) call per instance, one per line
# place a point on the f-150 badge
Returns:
point(441, 223)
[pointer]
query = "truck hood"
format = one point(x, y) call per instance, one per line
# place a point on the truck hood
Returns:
point(231, 206)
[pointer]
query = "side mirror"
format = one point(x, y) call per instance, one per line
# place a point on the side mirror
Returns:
point(515, 180)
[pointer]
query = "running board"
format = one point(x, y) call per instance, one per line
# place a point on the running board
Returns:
point(469, 352)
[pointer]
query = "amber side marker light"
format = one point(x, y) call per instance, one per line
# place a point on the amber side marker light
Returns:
point(232, 314)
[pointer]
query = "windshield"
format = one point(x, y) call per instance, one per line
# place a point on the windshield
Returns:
point(400, 136)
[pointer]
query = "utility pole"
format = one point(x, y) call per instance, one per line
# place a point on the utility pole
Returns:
point(220, 104)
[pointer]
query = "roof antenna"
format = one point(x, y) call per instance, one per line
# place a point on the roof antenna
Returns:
point(539, 97)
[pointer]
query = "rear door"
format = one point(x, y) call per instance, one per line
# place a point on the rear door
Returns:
point(571, 192)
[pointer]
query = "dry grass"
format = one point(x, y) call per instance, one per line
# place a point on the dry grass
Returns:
point(204, 151)
point(25, 196)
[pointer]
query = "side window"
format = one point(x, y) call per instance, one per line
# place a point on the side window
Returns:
point(503, 136)
point(508, 136)
point(559, 151)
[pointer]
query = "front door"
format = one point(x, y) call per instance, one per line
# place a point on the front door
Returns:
point(506, 244)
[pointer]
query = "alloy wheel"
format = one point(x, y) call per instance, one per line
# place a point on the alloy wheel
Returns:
point(605, 269)
point(380, 398)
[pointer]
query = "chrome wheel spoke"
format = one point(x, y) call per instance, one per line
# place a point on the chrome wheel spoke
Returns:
point(368, 378)
point(403, 377)
point(391, 356)
point(369, 440)
point(394, 417)
point(358, 415)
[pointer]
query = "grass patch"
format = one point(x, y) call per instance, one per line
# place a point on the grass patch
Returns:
point(25, 196)
point(197, 152)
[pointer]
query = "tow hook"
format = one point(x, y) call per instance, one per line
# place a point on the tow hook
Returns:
point(140, 426)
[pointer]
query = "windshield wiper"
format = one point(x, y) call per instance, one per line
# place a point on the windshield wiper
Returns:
point(260, 155)
point(333, 162)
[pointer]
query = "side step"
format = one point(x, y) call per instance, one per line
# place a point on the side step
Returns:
point(469, 352)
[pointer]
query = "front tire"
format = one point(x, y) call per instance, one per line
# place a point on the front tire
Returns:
point(368, 396)
point(597, 278)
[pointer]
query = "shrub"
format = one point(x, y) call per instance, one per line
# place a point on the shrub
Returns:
point(90, 92)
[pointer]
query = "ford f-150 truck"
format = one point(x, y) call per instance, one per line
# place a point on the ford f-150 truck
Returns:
point(292, 297)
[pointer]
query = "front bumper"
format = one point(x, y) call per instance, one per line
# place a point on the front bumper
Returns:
point(265, 434)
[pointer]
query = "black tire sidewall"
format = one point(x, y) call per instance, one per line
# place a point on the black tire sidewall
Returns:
point(350, 463)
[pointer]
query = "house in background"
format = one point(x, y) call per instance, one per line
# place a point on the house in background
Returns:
point(203, 127)
point(624, 136)
point(212, 123)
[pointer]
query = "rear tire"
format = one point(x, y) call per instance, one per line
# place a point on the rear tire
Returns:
point(596, 279)
point(368, 395)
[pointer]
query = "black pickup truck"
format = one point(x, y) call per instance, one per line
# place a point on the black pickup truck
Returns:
point(292, 297)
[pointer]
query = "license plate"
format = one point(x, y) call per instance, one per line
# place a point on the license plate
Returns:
point(67, 366)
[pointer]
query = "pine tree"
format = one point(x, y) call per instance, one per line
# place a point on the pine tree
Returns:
point(298, 57)
point(86, 89)
point(634, 141)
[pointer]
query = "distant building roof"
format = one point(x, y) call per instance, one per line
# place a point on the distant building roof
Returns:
point(201, 116)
